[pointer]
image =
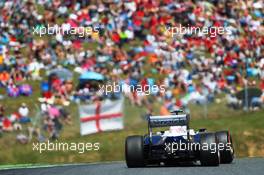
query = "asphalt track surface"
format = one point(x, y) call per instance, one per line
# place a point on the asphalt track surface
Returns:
point(246, 166)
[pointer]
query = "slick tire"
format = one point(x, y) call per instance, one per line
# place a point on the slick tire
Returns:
point(226, 148)
point(209, 153)
point(134, 151)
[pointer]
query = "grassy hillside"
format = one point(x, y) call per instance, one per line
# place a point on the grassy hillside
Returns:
point(247, 130)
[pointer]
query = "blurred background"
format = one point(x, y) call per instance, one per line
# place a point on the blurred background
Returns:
point(45, 79)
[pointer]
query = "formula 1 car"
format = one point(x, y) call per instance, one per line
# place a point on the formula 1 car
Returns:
point(179, 144)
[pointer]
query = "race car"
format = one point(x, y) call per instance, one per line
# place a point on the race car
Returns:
point(178, 144)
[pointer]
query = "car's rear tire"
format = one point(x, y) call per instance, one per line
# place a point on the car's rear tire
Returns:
point(209, 154)
point(134, 151)
point(226, 149)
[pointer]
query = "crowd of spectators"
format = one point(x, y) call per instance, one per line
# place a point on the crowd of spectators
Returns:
point(129, 44)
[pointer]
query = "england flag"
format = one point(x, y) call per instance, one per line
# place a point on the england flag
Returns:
point(101, 116)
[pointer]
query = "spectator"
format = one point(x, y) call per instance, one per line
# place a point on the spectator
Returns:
point(7, 125)
point(232, 101)
point(65, 115)
point(257, 102)
point(23, 112)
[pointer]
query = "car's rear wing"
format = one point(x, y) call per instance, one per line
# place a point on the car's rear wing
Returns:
point(177, 118)
point(168, 120)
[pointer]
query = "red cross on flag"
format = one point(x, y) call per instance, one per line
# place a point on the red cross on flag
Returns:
point(101, 116)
